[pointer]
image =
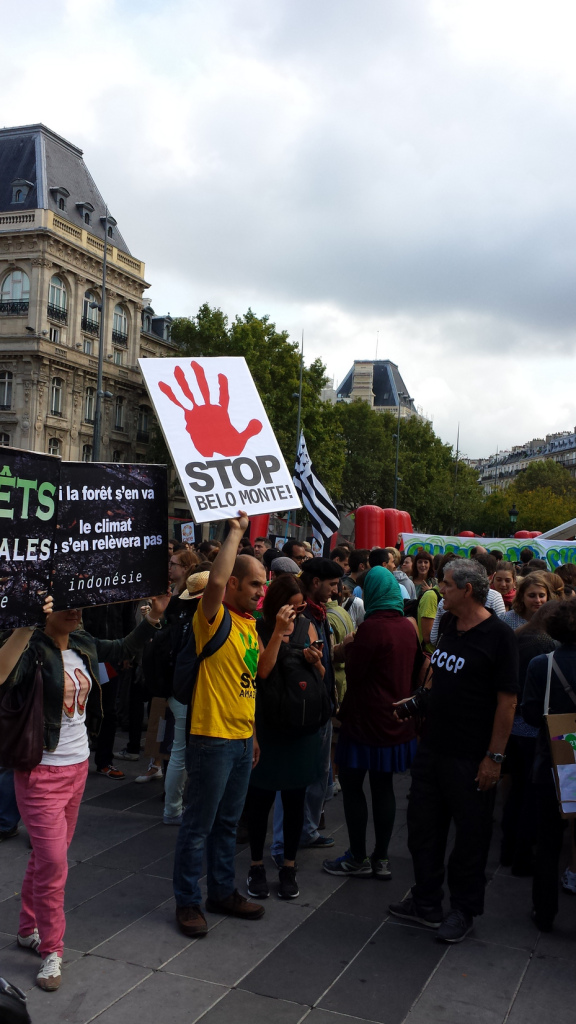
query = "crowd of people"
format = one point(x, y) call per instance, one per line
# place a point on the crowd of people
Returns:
point(288, 678)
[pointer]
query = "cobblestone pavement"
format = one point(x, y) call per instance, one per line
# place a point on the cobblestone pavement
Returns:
point(333, 956)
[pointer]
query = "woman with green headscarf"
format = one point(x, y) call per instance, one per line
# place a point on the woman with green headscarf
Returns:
point(379, 667)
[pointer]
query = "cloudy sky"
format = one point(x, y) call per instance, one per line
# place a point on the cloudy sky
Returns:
point(400, 170)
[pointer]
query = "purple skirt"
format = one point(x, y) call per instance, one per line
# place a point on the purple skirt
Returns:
point(375, 759)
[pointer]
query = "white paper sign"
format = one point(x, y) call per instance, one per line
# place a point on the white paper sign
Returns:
point(219, 436)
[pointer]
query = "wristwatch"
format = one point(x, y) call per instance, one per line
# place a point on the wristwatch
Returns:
point(497, 758)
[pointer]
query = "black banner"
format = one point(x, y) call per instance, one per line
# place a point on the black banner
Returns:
point(28, 506)
point(112, 534)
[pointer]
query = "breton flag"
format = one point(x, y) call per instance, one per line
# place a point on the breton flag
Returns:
point(314, 497)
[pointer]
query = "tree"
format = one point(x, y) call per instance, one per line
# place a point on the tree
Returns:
point(274, 362)
point(545, 473)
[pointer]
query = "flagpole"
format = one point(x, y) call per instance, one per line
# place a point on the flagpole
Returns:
point(298, 425)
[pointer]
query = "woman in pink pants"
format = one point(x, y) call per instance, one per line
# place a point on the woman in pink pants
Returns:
point(49, 796)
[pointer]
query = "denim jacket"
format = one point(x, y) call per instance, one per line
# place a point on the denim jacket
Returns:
point(91, 651)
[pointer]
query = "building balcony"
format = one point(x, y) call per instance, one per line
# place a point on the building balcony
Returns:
point(90, 326)
point(57, 313)
point(14, 308)
point(120, 339)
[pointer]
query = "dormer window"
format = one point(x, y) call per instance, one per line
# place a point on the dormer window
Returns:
point(60, 195)
point(20, 190)
point(85, 210)
point(111, 225)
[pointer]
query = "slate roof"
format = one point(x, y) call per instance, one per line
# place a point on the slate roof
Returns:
point(38, 155)
point(387, 383)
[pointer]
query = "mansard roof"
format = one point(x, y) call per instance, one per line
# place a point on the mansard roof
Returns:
point(53, 167)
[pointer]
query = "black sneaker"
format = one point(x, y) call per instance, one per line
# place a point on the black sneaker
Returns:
point(256, 883)
point(288, 887)
point(455, 926)
point(409, 911)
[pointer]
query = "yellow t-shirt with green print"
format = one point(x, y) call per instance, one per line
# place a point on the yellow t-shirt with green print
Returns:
point(225, 694)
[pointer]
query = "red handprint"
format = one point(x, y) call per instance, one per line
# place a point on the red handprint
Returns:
point(209, 425)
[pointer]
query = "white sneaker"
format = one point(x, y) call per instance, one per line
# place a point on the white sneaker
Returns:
point(154, 772)
point(336, 787)
point(569, 881)
point(125, 755)
point(31, 941)
point(50, 974)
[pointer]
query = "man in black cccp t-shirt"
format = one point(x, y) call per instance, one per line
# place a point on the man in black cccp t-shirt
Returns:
point(468, 711)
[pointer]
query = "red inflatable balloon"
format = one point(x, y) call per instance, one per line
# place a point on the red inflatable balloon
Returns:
point(370, 527)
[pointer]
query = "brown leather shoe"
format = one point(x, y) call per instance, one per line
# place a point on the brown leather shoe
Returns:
point(236, 905)
point(191, 921)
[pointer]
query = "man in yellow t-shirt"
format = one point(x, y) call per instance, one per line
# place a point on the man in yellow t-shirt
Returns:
point(221, 751)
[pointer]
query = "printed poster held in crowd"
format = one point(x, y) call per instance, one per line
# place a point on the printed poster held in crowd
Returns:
point(219, 436)
point(28, 508)
point(89, 533)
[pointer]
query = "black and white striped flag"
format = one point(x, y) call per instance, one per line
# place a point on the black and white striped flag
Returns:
point(314, 496)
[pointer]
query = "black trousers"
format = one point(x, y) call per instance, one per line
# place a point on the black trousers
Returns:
point(518, 815)
point(356, 809)
point(256, 813)
point(444, 791)
point(549, 840)
point(104, 750)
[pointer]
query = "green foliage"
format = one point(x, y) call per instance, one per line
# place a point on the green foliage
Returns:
point(545, 473)
point(274, 362)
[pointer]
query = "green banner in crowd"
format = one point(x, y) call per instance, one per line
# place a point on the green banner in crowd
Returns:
point(555, 552)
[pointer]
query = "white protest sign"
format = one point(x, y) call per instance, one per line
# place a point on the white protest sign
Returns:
point(219, 436)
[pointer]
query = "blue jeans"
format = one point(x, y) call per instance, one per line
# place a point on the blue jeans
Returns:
point(175, 777)
point(218, 777)
point(9, 813)
point(316, 794)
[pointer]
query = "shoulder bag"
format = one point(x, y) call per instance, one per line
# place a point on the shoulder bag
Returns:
point(22, 724)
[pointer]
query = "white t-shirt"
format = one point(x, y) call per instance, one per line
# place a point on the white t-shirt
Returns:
point(73, 743)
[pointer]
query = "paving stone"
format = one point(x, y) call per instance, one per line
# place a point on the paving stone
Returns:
point(98, 830)
point(475, 984)
point(6, 939)
point(303, 966)
point(246, 1008)
point(546, 993)
point(506, 919)
point(232, 949)
point(87, 880)
point(561, 942)
point(387, 976)
point(163, 999)
point(139, 851)
point(317, 1016)
point(118, 796)
point(88, 987)
point(370, 897)
point(101, 917)
point(12, 873)
point(151, 941)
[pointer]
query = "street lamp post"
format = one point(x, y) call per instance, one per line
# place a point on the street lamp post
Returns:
point(97, 438)
point(513, 514)
point(401, 395)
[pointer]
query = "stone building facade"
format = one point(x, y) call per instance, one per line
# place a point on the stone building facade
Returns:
point(52, 237)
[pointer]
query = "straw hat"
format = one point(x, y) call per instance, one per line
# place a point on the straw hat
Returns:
point(195, 586)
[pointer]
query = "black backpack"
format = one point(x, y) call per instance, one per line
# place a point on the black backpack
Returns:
point(411, 604)
point(159, 657)
point(188, 662)
point(293, 699)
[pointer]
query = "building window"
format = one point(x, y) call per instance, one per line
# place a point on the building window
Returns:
point(87, 453)
point(88, 346)
point(118, 357)
point(143, 427)
point(54, 334)
point(56, 389)
point(15, 293)
point(89, 404)
point(110, 232)
point(147, 324)
point(18, 197)
point(86, 218)
point(61, 204)
point(54, 446)
point(119, 414)
point(116, 456)
point(120, 326)
point(166, 332)
point(20, 190)
point(57, 300)
point(5, 439)
point(90, 313)
point(5, 389)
